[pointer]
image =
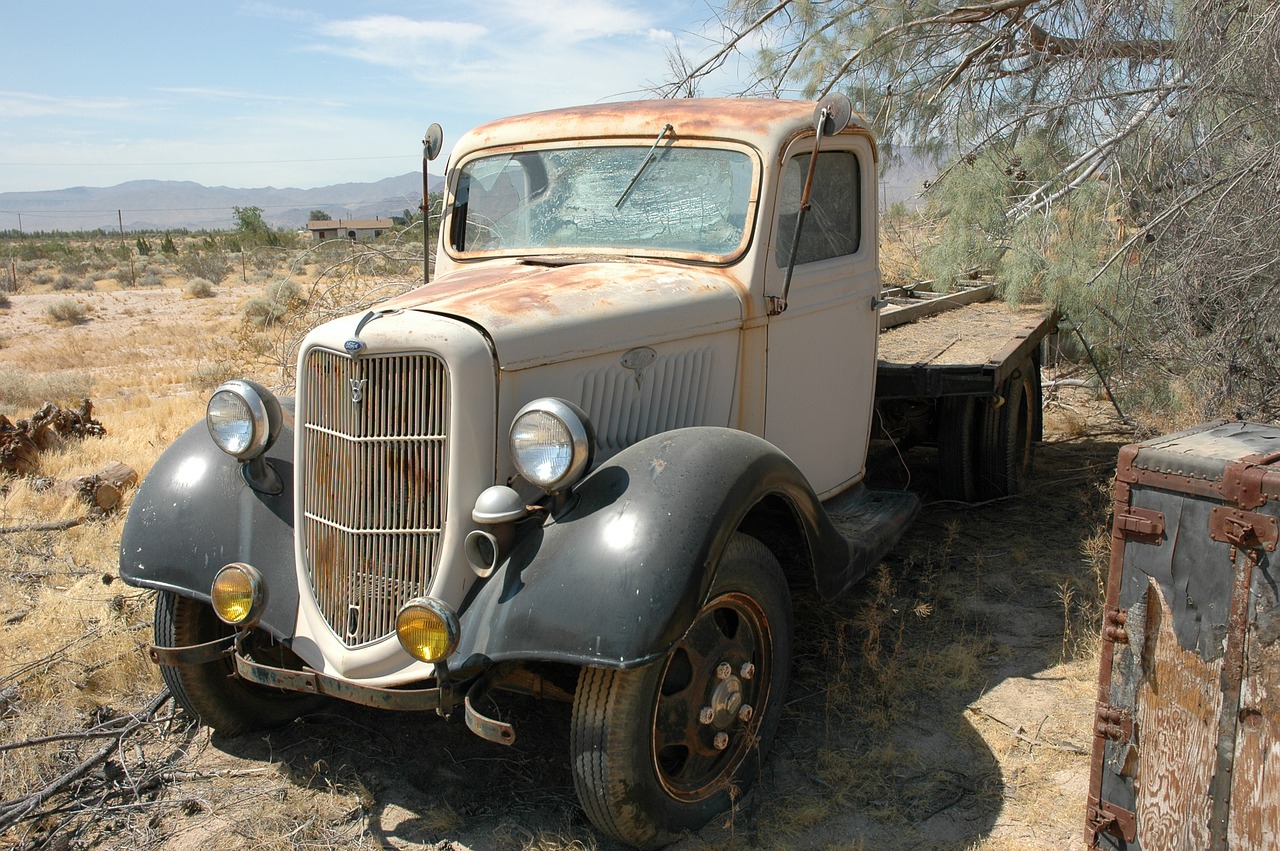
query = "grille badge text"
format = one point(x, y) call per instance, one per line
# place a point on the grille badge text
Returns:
point(357, 390)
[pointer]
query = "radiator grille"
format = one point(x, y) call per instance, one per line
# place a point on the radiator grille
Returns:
point(372, 480)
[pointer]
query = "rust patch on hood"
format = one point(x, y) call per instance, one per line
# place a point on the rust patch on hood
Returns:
point(540, 313)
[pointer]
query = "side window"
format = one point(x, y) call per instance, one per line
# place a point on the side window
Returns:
point(833, 225)
point(489, 204)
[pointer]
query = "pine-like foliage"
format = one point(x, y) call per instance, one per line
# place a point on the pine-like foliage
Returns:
point(1119, 159)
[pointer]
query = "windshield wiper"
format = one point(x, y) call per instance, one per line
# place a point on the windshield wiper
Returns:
point(666, 128)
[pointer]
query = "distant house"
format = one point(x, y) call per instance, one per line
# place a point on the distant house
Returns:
point(353, 229)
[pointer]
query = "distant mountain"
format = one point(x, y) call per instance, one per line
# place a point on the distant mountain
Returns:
point(160, 204)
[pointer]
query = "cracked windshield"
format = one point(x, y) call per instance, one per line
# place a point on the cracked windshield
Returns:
point(690, 200)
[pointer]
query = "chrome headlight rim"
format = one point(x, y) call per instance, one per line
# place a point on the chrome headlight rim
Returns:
point(263, 418)
point(257, 594)
point(579, 437)
point(443, 615)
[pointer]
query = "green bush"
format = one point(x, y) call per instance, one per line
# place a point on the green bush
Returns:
point(64, 282)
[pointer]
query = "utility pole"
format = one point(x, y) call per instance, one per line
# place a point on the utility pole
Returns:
point(133, 275)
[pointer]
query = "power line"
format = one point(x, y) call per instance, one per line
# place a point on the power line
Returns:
point(210, 162)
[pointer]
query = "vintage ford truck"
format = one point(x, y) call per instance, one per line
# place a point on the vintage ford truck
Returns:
point(588, 461)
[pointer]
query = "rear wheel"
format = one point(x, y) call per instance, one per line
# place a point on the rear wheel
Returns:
point(662, 749)
point(958, 448)
point(211, 691)
point(1006, 450)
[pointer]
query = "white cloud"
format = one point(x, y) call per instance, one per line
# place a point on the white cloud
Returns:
point(214, 93)
point(575, 21)
point(396, 40)
point(16, 105)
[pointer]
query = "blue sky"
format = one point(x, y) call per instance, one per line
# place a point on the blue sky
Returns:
point(286, 93)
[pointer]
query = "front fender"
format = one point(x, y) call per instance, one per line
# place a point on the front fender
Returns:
point(615, 580)
point(194, 513)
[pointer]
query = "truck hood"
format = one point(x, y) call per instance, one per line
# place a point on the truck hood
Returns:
point(538, 314)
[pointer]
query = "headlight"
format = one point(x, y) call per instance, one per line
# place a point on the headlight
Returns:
point(243, 419)
point(552, 443)
point(427, 629)
point(238, 594)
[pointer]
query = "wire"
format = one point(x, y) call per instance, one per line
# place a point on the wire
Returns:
point(211, 162)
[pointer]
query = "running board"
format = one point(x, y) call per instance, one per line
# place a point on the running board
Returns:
point(872, 522)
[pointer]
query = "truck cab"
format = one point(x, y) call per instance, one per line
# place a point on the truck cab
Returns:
point(588, 460)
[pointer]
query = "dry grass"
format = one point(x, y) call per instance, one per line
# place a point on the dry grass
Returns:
point(936, 706)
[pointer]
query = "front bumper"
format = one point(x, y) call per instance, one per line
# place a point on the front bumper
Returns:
point(441, 698)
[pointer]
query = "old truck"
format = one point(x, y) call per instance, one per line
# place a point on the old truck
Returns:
point(588, 461)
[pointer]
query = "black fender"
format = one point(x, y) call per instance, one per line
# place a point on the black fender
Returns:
point(194, 513)
point(617, 578)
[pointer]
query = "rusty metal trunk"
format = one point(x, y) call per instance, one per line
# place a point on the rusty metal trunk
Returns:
point(1186, 751)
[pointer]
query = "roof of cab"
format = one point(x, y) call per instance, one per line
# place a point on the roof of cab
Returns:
point(766, 124)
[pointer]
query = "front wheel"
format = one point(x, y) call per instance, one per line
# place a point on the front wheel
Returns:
point(211, 691)
point(661, 749)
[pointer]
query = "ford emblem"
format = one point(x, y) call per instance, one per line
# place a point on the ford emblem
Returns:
point(353, 346)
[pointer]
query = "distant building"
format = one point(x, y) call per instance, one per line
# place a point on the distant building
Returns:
point(353, 229)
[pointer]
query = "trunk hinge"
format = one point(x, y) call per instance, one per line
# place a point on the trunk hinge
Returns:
point(1106, 817)
point(1242, 481)
point(1141, 525)
point(1114, 723)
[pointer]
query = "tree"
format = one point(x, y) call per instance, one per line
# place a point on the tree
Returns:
point(319, 216)
point(1129, 150)
point(251, 229)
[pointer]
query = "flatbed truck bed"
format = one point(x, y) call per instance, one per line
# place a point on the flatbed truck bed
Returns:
point(962, 372)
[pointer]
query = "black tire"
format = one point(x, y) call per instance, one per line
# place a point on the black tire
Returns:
point(645, 763)
point(211, 692)
point(958, 448)
point(1007, 447)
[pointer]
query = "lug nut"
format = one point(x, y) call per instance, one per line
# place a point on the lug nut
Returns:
point(707, 715)
point(745, 713)
point(724, 671)
point(747, 671)
point(722, 741)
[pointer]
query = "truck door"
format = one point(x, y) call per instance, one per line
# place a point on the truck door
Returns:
point(822, 348)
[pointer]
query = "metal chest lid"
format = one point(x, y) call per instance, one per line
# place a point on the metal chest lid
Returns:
point(1205, 453)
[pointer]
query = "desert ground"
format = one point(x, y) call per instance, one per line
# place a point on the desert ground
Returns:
point(946, 703)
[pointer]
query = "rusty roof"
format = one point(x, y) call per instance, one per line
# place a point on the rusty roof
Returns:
point(765, 123)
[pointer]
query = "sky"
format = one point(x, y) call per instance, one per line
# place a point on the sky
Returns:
point(286, 93)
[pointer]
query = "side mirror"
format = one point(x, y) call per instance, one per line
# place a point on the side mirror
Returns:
point(432, 142)
point(832, 114)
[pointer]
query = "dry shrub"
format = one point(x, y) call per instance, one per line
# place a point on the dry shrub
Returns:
point(199, 288)
point(21, 389)
point(66, 311)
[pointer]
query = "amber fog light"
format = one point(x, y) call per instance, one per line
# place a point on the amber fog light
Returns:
point(427, 629)
point(238, 594)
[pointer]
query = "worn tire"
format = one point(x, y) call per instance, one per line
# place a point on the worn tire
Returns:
point(1006, 448)
point(958, 448)
point(210, 691)
point(645, 766)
